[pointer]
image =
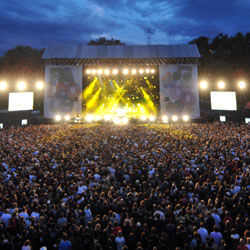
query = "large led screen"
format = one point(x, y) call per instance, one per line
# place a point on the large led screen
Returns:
point(223, 100)
point(20, 101)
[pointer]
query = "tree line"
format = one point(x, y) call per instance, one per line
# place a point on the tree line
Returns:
point(224, 56)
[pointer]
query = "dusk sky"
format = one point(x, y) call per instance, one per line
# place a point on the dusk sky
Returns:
point(38, 23)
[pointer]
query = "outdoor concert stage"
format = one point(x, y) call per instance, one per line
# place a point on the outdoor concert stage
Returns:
point(116, 82)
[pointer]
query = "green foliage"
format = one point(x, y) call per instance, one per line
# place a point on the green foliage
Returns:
point(105, 41)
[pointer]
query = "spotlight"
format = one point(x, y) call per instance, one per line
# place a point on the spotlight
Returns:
point(106, 71)
point(93, 71)
point(98, 118)
point(242, 84)
point(164, 118)
point(185, 118)
point(39, 85)
point(133, 71)
point(152, 118)
point(143, 118)
point(117, 120)
point(125, 120)
point(175, 118)
point(141, 71)
point(221, 84)
point(66, 117)
point(99, 71)
point(152, 71)
point(125, 71)
point(89, 118)
point(88, 71)
point(147, 71)
point(21, 85)
point(58, 118)
point(115, 71)
point(3, 86)
point(203, 84)
point(107, 117)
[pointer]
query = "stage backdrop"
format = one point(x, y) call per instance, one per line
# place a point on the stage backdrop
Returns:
point(63, 88)
point(179, 92)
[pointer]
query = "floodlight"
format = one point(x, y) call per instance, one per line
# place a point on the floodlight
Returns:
point(185, 118)
point(107, 117)
point(175, 118)
point(39, 85)
point(125, 71)
point(93, 71)
point(99, 71)
point(125, 120)
point(147, 71)
point(203, 84)
point(242, 84)
point(3, 86)
point(152, 71)
point(164, 118)
point(117, 120)
point(115, 71)
point(133, 71)
point(141, 71)
point(88, 71)
point(89, 118)
point(143, 118)
point(21, 85)
point(221, 84)
point(58, 118)
point(106, 71)
point(152, 118)
point(66, 117)
point(98, 118)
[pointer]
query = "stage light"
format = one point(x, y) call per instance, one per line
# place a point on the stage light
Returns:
point(66, 117)
point(107, 117)
point(93, 71)
point(99, 71)
point(175, 118)
point(221, 84)
point(164, 118)
point(89, 118)
point(152, 118)
point(88, 71)
point(115, 71)
point(116, 120)
point(242, 84)
point(152, 71)
point(147, 71)
point(39, 85)
point(125, 120)
point(133, 71)
point(106, 71)
point(185, 118)
point(141, 71)
point(21, 85)
point(98, 118)
point(3, 86)
point(143, 118)
point(203, 84)
point(125, 71)
point(58, 118)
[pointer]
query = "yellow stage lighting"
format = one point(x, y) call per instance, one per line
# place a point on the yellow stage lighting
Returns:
point(141, 71)
point(125, 71)
point(3, 86)
point(242, 84)
point(21, 85)
point(143, 118)
point(88, 71)
point(125, 120)
point(39, 85)
point(66, 117)
point(221, 84)
point(203, 84)
point(89, 118)
point(147, 71)
point(115, 71)
point(98, 118)
point(117, 120)
point(106, 71)
point(107, 117)
point(99, 71)
point(164, 118)
point(58, 118)
point(175, 118)
point(93, 71)
point(152, 118)
point(152, 71)
point(185, 118)
point(133, 71)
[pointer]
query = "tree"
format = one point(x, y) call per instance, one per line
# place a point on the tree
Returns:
point(105, 41)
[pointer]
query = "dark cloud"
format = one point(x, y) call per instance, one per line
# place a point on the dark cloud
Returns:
point(37, 23)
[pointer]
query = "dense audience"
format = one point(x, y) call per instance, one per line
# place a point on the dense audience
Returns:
point(136, 187)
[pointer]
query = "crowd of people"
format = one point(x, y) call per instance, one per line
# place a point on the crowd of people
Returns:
point(135, 187)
